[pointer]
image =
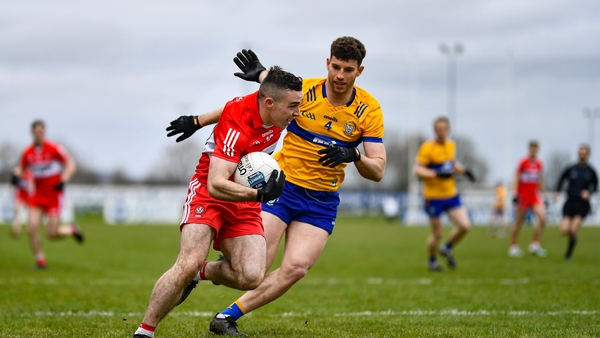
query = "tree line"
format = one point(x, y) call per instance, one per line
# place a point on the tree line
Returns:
point(178, 162)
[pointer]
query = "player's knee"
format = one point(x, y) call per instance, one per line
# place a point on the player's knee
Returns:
point(294, 273)
point(465, 226)
point(52, 233)
point(186, 270)
point(250, 279)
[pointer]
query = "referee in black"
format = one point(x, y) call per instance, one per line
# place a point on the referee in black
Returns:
point(583, 181)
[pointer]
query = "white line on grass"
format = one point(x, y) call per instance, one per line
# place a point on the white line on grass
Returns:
point(412, 313)
point(308, 281)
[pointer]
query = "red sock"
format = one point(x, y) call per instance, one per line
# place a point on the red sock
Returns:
point(148, 327)
point(202, 276)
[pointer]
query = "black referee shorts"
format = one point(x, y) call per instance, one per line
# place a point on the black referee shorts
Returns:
point(576, 207)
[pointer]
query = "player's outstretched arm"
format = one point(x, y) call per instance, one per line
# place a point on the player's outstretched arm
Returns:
point(372, 164)
point(187, 125)
point(248, 63)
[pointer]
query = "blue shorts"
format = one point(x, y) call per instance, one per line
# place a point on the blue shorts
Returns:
point(317, 208)
point(435, 207)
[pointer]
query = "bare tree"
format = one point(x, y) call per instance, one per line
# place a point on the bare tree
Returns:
point(177, 164)
point(554, 166)
point(466, 153)
point(84, 172)
point(9, 156)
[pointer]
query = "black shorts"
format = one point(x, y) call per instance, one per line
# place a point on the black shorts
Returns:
point(576, 207)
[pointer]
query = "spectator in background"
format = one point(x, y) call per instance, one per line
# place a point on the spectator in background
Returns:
point(583, 181)
point(497, 219)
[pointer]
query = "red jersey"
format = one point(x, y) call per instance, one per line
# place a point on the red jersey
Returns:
point(240, 131)
point(45, 162)
point(530, 175)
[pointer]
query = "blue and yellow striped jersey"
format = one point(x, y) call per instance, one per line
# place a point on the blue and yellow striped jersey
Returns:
point(437, 156)
point(321, 124)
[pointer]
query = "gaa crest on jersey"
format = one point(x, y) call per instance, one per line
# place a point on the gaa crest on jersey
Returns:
point(198, 211)
point(349, 128)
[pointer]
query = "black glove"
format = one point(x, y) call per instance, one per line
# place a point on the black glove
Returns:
point(14, 179)
point(248, 63)
point(470, 175)
point(273, 188)
point(187, 125)
point(546, 202)
point(515, 200)
point(60, 186)
point(335, 155)
point(444, 174)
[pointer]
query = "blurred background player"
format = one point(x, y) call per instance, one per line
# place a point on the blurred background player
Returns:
point(583, 181)
point(221, 211)
point(336, 117)
point(23, 189)
point(437, 165)
point(51, 168)
point(497, 220)
point(527, 183)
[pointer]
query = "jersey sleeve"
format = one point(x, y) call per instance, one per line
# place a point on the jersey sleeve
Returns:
point(520, 168)
point(230, 140)
point(373, 126)
point(60, 154)
point(23, 163)
point(423, 157)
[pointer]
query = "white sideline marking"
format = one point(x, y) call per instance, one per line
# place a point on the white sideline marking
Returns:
point(374, 281)
point(414, 313)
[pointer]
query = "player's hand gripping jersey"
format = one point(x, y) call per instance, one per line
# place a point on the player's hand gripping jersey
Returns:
point(321, 124)
point(441, 158)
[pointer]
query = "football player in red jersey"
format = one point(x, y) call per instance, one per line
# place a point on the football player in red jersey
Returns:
point(221, 211)
point(51, 168)
point(528, 182)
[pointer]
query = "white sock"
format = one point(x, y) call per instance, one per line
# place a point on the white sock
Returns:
point(144, 332)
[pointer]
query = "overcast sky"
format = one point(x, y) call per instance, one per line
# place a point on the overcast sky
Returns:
point(109, 76)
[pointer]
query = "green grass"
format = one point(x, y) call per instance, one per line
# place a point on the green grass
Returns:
point(371, 281)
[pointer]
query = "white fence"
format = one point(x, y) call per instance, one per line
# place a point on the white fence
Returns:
point(119, 204)
point(163, 205)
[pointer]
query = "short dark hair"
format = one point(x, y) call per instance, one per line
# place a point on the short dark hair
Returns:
point(277, 81)
point(348, 48)
point(441, 119)
point(36, 123)
point(534, 143)
point(585, 146)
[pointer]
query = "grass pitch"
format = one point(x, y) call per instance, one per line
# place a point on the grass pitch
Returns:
point(371, 281)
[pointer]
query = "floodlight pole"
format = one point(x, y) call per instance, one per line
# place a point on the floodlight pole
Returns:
point(591, 114)
point(452, 53)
